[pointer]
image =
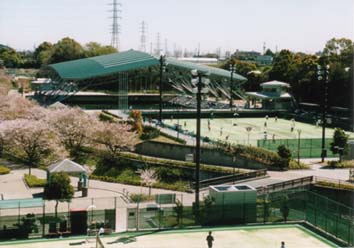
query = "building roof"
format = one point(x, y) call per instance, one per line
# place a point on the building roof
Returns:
point(66, 165)
point(266, 95)
point(124, 61)
point(103, 65)
point(274, 83)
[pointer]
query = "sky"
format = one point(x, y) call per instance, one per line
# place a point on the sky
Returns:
point(298, 25)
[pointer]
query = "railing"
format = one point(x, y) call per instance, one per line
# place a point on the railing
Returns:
point(232, 178)
point(298, 182)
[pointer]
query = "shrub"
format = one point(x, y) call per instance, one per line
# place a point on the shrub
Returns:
point(4, 170)
point(150, 133)
point(335, 185)
point(293, 165)
point(33, 181)
point(105, 117)
point(342, 164)
point(140, 198)
point(179, 140)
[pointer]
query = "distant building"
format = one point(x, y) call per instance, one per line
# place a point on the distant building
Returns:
point(264, 60)
point(206, 61)
point(274, 95)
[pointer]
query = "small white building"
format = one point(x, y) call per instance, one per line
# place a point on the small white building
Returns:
point(274, 95)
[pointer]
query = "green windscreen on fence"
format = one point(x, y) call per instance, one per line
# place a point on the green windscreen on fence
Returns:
point(21, 203)
point(309, 148)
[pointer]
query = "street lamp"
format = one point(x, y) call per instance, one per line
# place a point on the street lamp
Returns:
point(199, 81)
point(322, 75)
point(232, 70)
point(248, 129)
point(162, 70)
point(298, 146)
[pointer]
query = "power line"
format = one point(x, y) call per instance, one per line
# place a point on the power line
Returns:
point(115, 31)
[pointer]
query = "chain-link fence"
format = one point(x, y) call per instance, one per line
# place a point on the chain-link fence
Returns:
point(309, 148)
point(85, 216)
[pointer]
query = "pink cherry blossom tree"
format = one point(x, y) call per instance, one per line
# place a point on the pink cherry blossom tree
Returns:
point(113, 138)
point(32, 141)
point(13, 107)
point(74, 128)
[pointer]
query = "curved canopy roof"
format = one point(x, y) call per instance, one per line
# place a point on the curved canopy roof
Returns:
point(124, 61)
point(66, 165)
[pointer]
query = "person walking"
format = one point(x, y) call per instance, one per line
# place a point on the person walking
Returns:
point(282, 244)
point(210, 240)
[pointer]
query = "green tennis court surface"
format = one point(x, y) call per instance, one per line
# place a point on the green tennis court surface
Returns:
point(294, 236)
point(269, 135)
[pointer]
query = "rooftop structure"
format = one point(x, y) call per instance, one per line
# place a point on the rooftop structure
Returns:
point(274, 95)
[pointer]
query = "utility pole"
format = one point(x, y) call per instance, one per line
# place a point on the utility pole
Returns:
point(115, 31)
point(142, 28)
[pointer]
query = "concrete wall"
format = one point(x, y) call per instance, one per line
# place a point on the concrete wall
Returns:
point(208, 156)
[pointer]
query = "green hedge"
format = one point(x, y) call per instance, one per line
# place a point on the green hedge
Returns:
point(150, 132)
point(335, 185)
point(342, 164)
point(106, 117)
point(33, 181)
point(177, 163)
point(177, 186)
point(4, 170)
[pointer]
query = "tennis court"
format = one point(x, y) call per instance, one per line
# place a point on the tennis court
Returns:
point(235, 129)
point(268, 133)
point(271, 236)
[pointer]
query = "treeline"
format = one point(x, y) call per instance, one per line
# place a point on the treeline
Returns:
point(300, 71)
point(47, 53)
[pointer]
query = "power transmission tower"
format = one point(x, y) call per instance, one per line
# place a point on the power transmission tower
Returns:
point(158, 45)
point(143, 28)
point(115, 25)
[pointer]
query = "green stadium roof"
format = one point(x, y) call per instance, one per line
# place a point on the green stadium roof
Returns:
point(103, 65)
point(124, 61)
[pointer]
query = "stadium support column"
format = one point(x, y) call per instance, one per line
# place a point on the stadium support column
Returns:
point(162, 69)
point(198, 82)
point(232, 70)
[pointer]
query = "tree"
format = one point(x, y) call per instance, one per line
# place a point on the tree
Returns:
point(285, 155)
point(14, 107)
point(43, 53)
point(96, 49)
point(66, 49)
point(340, 140)
point(284, 207)
point(32, 141)
point(74, 128)
point(148, 177)
point(58, 188)
point(135, 115)
point(113, 138)
point(179, 211)
point(10, 58)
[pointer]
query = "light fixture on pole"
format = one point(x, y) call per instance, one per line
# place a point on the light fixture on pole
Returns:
point(322, 76)
point(200, 83)
point(232, 70)
point(162, 70)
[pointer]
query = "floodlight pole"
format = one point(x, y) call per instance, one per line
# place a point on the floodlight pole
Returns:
point(324, 80)
point(197, 152)
point(162, 68)
point(232, 69)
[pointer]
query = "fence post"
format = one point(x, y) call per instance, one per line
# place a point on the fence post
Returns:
point(43, 219)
